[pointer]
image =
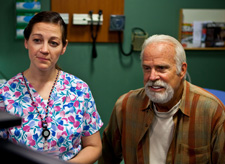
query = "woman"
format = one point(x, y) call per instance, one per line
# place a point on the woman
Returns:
point(58, 110)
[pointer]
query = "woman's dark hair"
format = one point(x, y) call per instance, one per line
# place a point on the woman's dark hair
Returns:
point(47, 17)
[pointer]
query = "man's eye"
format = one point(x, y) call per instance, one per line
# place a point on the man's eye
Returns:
point(162, 68)
point(146, 68)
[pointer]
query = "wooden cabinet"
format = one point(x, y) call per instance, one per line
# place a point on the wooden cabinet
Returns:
point(82, 33)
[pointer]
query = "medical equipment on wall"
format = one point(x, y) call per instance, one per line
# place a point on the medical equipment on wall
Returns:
point(94, 20)
point(117, 23)
point(94, 34)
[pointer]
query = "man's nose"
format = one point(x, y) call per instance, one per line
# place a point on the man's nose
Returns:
point(153, 75)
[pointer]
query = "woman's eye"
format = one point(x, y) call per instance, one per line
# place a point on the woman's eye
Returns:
point(37, 40)
point(54, 44)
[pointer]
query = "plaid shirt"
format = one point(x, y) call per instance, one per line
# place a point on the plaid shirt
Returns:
point(198, 137)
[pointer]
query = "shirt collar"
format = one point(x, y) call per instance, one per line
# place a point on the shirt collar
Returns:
point(167, 114)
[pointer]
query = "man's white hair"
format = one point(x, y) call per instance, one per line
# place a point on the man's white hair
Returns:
point(180, 55)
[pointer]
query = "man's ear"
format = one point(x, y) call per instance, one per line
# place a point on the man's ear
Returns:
point(183, 70)
point(64, 48)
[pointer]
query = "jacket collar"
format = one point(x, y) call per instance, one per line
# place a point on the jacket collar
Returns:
point(185, 100)
point(147, 103)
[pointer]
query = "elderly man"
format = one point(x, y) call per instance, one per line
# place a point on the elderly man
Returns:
point(169, 120)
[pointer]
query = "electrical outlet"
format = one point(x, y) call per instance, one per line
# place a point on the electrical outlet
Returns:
point(117, 23)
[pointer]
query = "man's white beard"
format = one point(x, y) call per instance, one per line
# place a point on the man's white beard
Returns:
point(159, 97)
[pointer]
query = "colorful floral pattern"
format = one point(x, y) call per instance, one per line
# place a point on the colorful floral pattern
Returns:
point(72, 114)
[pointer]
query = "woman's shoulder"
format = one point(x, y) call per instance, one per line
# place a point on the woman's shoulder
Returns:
point(72, 79)
point(13, 81)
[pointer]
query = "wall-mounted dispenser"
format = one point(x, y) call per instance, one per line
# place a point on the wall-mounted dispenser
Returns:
point(32, 6)
point(85, 19)
point(138, 38)
point(21, 21)
point(25, 10)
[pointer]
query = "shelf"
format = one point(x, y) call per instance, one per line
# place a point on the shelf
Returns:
point(207, 48)
point(187, 18)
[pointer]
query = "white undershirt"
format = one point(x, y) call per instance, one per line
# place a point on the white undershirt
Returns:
point(161, 133)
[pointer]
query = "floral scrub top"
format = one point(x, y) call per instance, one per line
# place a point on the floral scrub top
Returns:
point(71, 114)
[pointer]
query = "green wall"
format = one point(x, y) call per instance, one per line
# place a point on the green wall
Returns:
point(111, 74)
